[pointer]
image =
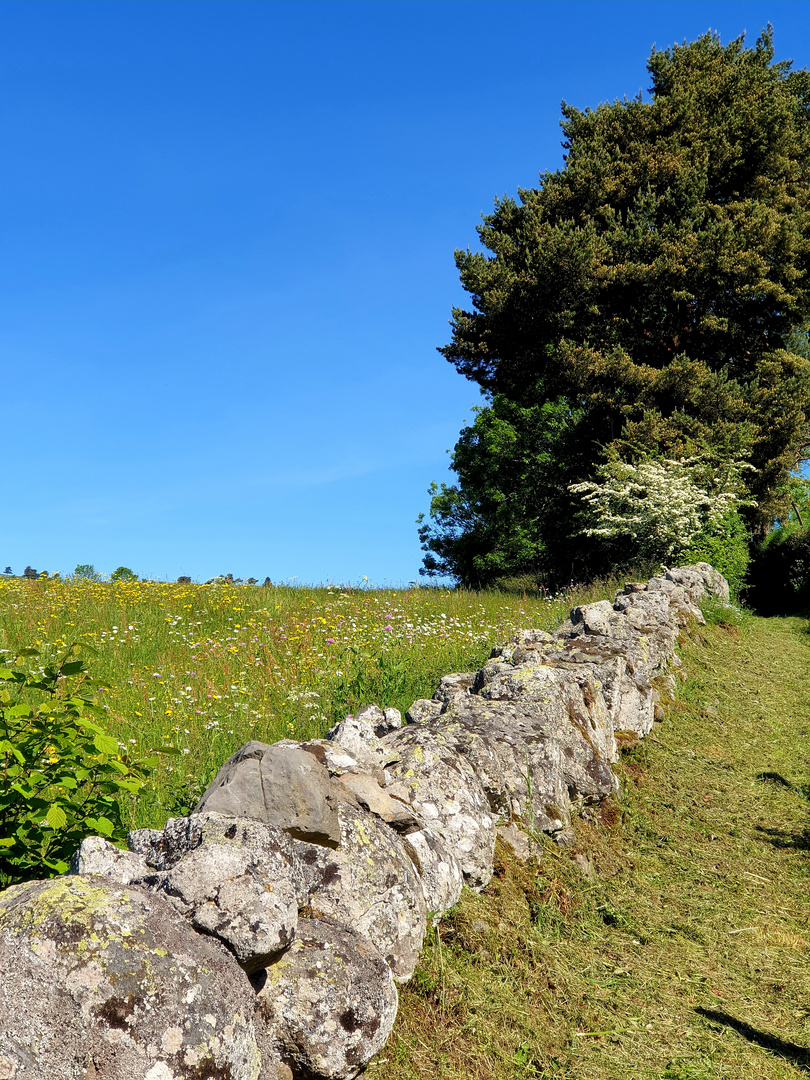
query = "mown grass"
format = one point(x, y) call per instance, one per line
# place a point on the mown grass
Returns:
point(672, 942)
point(208, 667)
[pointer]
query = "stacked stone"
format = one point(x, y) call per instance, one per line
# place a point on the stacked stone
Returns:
point(263, 936)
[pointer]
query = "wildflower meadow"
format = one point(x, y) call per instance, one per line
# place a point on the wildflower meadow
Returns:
point(205, 668)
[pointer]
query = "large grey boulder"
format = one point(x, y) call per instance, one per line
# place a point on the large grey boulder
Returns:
point(446, 795)
point(101, 979)
point(281, 785)
point(700, 580)
point(231, 878)
point(521, 771)
point(369, 884)
point(329, 1003)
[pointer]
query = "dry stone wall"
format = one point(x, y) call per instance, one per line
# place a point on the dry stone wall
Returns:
point(263, 936)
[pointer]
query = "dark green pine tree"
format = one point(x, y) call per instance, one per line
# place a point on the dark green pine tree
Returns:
point(656, 283)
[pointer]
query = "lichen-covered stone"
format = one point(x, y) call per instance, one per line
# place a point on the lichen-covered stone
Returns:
point(371, 796)
point(367, 883)
point(447, 796)
point(230, 877)
point(329, 1003)
point(700, 580)
point(357, 735)
point(241, 897)
point(422, 711)
point(101, 979)
point(438, 868)
point(521, 771)
point(98, 856)
point(338, 760)
point(455, 686)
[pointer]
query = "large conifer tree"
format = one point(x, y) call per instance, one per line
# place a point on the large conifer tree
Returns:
point(657, 281)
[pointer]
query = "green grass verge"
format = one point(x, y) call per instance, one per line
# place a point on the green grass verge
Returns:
point(672, 943)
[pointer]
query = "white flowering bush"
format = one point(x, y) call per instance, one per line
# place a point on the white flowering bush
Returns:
point(662, 505)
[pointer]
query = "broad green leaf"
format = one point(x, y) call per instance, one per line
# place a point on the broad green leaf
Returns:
point(20, 710)
point(7, 841)
point(68, 782)
point(130, 785)
point(86, 725)
point(56, 817)
point(101, 825)
point(73, 667)
point(105, 744)
point(7, 747)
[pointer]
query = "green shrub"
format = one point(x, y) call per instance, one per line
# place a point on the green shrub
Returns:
point(725, 545)
point(61, 775)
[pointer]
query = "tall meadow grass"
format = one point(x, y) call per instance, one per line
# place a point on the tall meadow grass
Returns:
point(208, 667)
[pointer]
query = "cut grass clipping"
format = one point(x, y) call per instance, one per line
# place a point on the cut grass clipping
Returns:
point(672, 942)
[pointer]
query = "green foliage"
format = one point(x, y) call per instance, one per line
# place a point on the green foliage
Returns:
point(507, 514)
point(658, 283)
point(86, 572)
point(725, 545)
point(123, 573)
point(61, 775)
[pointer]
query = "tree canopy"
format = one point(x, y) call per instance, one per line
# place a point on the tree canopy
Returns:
point(655, 286)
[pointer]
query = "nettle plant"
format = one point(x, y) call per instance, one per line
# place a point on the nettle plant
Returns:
point(62, 777)
point(661, 505)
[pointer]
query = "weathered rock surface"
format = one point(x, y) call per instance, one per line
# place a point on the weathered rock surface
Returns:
point(453, 687)
point(446, 795)
point(281, 785)
point(423, 711)
point(230, 877)
point(700, 580)
point(520, 771)
point(100, 979)
point(371, 796)
point(438, 868)
point(367, 883)
point(98, 856)
point(329, 1003)
point(357, 735)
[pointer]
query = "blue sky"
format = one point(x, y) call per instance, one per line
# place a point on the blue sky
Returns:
point(228, 233)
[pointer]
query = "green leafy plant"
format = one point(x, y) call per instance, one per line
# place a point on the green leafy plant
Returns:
point(725, 545)
point(62, 776)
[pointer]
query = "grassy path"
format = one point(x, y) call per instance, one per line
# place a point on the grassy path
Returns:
point(673, 944)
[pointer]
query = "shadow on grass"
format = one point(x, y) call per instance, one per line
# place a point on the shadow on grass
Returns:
point(802, 790)
point(785, 841)
point(799, 1055)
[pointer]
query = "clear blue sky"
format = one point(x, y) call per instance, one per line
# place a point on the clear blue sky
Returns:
point(228, 233)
